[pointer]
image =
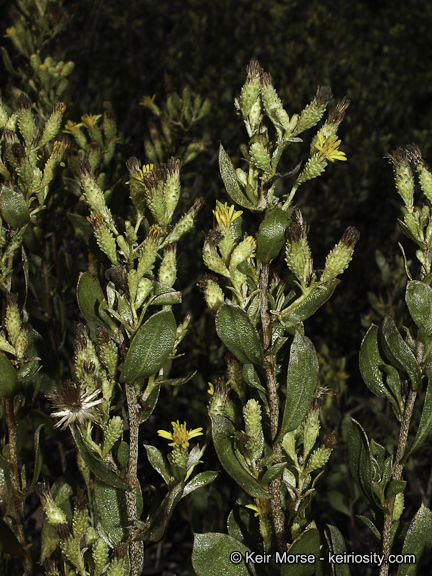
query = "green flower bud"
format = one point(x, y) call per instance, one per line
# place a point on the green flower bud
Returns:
point(311, 429)
point(213, 294)
point(172, 186)
point(54, 160)
point(271, 101)
point(318, 458)
point(117, 565)
point(179, 457)
point(22, 341)
point(335, 117)
point(145, 286)
point(314, 111)
point(104, 237)
point(423, 171)
point(219, 397)
point(235, 376)
point(26, 122)
point(132, 279)
point(148, 253)
point(94, 195)
point(246, 249)
point(109, 125)
point(168, 267)
point(297, 252)
point(13, 318)
point(411, 222)
point(71, 548)
point(112, 433)
point(338, 259)
point(80, 522)
point(253, 428)
point(403, 176)
point(260, 157)
point(250, 92)
point(313, 168)
point(210, 253)
point(186, 222)
point(242, 177)
point(92, 536)
point(107, 351)
point(100, 555)
point(3, 113)
point(53, 123)
point(54, 514)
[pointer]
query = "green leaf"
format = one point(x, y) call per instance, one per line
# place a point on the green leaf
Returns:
point(360, 461)
point(89, 297)
point(213, 554)
point(305, 306)
point(418, 297)
point(338, 547)
point(302, 380)
point(418, 541)
point(251, 377)
point(425, 425)
point(273, 472)
point(160, 516)
point(111, 506)
point(372, 365)
point(222, 433)
point(13, 207)
point(151, 346)
point(237, 332)
point(39, 443)
point(8, 541)
point(99, 468)
point(9, 385)
point(398, 352)
point(200, 480)
point(229, 178)
point(394, 488)
point(271, 234)
point(157, 462)
point(305, 545)
point(168, 298)
point(370, 525)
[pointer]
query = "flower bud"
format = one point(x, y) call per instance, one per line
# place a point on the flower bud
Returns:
point(13, 318)
point(100, 555)
point(314, 111)
point(107, 351)
point(112, 433)
point(213, 294)
point(318, 458)
point(172, 186)
point(398, 506)
point(186, 222)
point(260, 157)
point(54, 514)
point(403, 176)
point(210, 253)
point(311, 429)
point(297, 252)
point(242, 252)
point(53, 123)
point(116, 568)
point(22, 341)
point(168, 267)
point(93, 194)
point(26, 121)
point(250, 92)
point(339, 258)
point(289, 445)
point(145, 286)
point(104, 237)
point(253, 428)
point(423, 171)
point(80, 521)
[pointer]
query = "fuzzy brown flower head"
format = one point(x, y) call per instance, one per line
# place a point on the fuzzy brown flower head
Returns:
point(198, 205)
point(72, 404)
point(133, 165)
point(8, 136)
point(397, 158)
point(414, 154)
point(266, 79)
point(108, 109)
point(24, 102)
point(350, 237)
point(50, 567)
point(203, 283)
point(19, 153)
point(213, 237)
point(120, 551)
point(63, 531)
point(337, 114)
point(102, 335)
point(298, 230)
point(323, 95)
point(254, 71)
point(84, 169)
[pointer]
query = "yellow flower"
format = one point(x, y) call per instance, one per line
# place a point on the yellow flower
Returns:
point(224, 215)
point(90, 121)
point(261, 508)
point(210, 389)
point(180, 436)
point(329, 149)
point(71, 127)
point(10, 32)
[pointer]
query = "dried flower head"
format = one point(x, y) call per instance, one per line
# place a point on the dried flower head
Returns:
point(72, 404)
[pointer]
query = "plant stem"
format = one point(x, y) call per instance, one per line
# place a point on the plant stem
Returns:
point(276, 507)
point(132, 478)
point(17, 495)
point(397, 475)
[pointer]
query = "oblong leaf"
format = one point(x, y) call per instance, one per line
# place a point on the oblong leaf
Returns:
point(271, 234)
point(9, 385)
point(235, 329)
point(150, 347)
point(200, 480)
point(425, 425)
point(89, 297)
point(418, 541)
point(302, 380)
point(157, 462)
point(222, 433)
point(359, 459)
point(306, 306)
point(337, 546)
point(305, 545)
point(398, 352)
point(13, 207)
point(111, 506)
point(229, 178)
point(418, 297)
point(215, 554)
point(9, 543)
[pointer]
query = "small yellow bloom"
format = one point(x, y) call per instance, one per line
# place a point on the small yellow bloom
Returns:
point(180, 436)
point(90, 121)
point(71, 127)
point(140, 174)
point(224, 215)
point(261, 508)
point(210, 389)
point(329, 149)
point(10, 32)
